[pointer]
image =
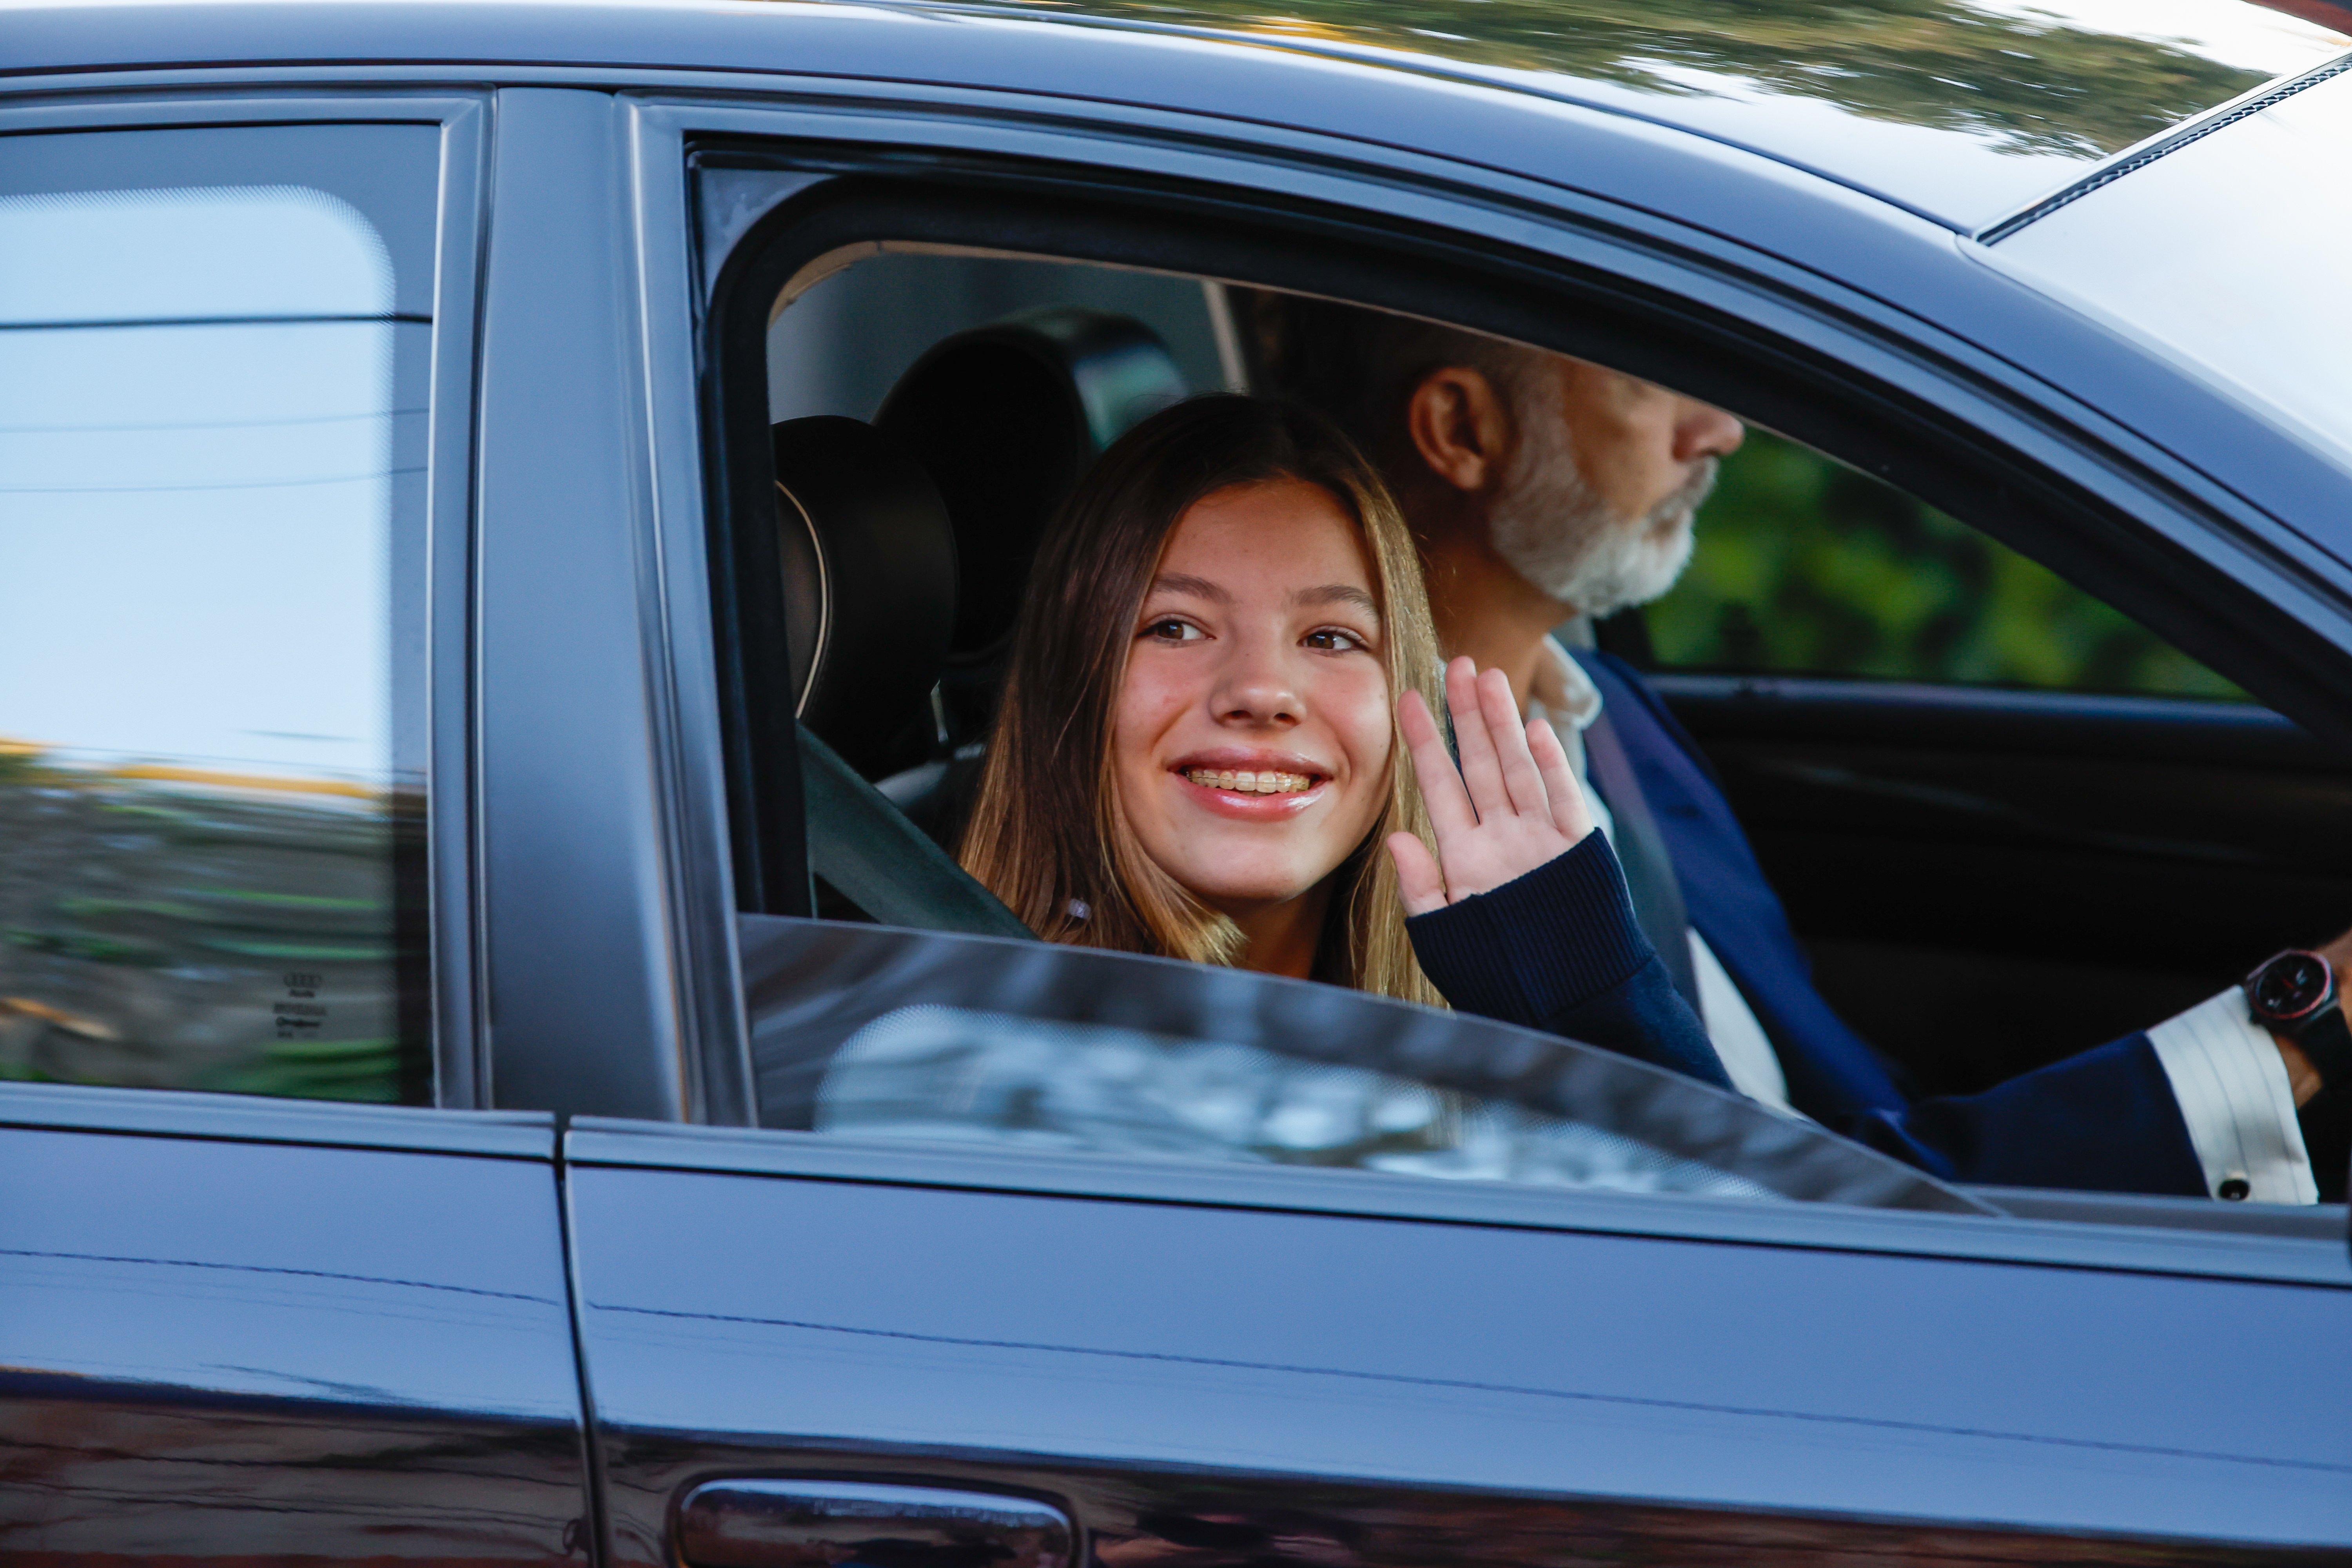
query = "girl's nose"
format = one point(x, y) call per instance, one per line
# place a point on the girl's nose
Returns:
point(1256, 687)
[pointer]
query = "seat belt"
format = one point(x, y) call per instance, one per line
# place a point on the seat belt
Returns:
point(883, 863)
point(1641, 850)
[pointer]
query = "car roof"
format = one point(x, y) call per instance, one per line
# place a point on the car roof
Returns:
point(1964, 112)
point(1955, 108)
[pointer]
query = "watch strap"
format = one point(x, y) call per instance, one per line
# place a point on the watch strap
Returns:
point(2326, 1039)
point(2326, 1119)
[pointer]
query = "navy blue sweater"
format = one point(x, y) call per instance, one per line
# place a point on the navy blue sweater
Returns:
point(1559, 950)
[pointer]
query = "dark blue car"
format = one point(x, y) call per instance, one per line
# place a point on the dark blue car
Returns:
point(500, 1064)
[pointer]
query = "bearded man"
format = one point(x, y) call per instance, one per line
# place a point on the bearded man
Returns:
point(1546, 490)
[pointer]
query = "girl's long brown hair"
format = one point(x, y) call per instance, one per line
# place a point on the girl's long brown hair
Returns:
point(1046, 833)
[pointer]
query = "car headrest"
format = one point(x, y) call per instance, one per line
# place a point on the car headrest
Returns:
point(869, 560)
point(1006, 417)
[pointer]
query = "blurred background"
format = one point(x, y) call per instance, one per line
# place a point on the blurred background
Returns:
point(1806, 567)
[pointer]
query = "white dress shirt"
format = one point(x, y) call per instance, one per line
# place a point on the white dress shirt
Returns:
point(2224, 1069)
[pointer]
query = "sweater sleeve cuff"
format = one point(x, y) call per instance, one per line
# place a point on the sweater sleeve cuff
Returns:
point(2231, 1087)
point(1539, 945)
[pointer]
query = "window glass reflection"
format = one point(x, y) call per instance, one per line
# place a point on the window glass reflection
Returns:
point(199, 806)
point(958, 1074)
point(870, 1033)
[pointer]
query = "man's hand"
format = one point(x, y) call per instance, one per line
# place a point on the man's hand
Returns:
point(2301, 1076)
point(1513, 806)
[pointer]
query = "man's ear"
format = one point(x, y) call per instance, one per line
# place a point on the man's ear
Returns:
point(1460, 428)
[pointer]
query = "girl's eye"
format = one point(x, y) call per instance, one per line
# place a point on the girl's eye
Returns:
point(1168, 628)
point(1331, 639)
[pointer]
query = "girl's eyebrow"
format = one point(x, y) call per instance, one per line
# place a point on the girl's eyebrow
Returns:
point(1337, 594)
point(1301, 598)
point(1185, 582)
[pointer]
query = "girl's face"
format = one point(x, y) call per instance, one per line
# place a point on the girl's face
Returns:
point(1253, 731)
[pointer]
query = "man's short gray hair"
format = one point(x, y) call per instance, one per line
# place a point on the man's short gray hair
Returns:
point(1359, 367)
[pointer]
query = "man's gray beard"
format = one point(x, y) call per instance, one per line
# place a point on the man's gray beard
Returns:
point(1558, 532)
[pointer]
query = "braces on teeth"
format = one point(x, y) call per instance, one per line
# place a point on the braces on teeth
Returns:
point(1247, 783)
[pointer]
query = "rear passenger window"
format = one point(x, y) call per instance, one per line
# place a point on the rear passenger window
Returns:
point(1805, 567)
point(212, 354)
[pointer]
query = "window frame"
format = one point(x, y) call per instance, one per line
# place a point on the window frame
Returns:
point(461, 1074)
point(1822, 363)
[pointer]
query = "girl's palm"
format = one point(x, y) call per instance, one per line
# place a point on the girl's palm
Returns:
point(1513, 804)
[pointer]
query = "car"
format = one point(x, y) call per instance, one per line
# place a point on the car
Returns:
point(515, 511)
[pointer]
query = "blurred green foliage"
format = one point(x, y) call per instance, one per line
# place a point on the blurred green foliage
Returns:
point(2031, 81)
point(1806, 567)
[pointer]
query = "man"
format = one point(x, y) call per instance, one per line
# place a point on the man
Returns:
point(1544, 489)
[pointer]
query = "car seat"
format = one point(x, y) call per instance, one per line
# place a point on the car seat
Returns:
point(1005, 418)
point(906, 548)
point(869, 582)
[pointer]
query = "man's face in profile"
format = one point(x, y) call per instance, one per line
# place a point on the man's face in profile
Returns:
point(1595, 503)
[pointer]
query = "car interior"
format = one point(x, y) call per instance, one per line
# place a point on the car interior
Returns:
point(1992, 861)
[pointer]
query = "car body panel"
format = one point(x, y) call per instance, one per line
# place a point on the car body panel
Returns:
point(1951, 110)
point(295, 1329)
point(2229, 296)
point(1962, 129)
point(577, 894)
point(998, 1329)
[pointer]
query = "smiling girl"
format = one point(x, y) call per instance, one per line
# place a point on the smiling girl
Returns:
point(1197, 754)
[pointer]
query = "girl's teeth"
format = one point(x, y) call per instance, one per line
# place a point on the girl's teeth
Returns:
point(1248, 781)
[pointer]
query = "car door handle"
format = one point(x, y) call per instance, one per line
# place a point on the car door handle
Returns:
point(850, 1524)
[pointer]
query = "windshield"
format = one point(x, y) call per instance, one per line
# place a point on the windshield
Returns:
point(871, 1032)
point(2225, 252)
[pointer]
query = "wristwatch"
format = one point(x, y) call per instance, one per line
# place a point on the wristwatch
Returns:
point(2293, 994)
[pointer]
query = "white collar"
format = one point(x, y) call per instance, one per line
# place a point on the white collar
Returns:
point(1561, 692)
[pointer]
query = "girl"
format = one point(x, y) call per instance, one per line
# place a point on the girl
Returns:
point(1196, 753)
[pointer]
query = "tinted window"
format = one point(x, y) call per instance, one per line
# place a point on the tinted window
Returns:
point(898, 1035)
point(212, 357)
point(1803, 566)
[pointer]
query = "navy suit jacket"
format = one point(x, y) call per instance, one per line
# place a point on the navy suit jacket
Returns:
point(2103, 1120)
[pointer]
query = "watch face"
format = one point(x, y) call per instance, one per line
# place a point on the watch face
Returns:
point(2288, 987)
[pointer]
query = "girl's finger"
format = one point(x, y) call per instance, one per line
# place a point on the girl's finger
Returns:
point(1521, 777)
point(1571, 811)
point(1441, 787)
point(1419, 882)
point(1482, 771)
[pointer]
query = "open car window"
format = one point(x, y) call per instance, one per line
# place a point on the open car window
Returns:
point(1992, 805)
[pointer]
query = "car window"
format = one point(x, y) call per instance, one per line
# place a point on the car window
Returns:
point(868, 1033)
point(871, 1033)
point(212, 349)
point(925, 408)
point(1803, 566)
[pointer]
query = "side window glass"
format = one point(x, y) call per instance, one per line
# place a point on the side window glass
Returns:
point(941, 429)
point(1803, 566)
point(213, 350)
point(946, 403)
point(898, 1035)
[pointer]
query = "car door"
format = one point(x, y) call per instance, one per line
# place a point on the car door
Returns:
point(895, 1325)
point(940, 1321)
point(271, 1288)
